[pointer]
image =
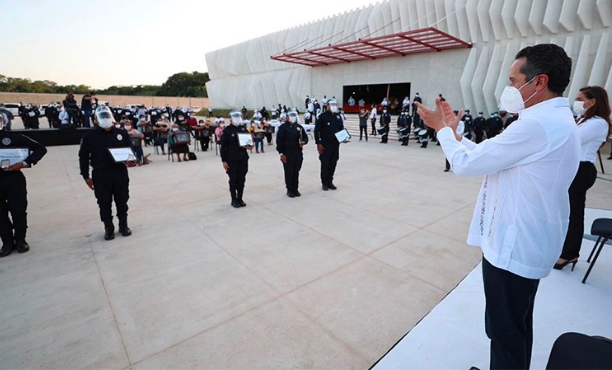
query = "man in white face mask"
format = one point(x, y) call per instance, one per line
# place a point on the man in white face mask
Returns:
point(290, 139)
point(326, 127)
point(522, 213)
point(110, 180)
point(235, 158)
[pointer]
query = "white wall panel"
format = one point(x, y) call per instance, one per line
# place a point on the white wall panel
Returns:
point(604, 8)
point(441, 20)
point(483, 19)
point(421, 8)
point(492, 76)
point(502, 79)
point(521, 17)
point(568, 14)
point(507, 16)
point(552, 14)
point(478, 80)
point(495, 15)
point(467, 77)
point(462, 21)
point(536, 15)
point(413, 13)
point(581, 75)
point(472, 17)
point(598, 71)
point(586, 12)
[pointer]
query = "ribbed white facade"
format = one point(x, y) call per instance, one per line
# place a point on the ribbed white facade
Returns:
point(244, 74)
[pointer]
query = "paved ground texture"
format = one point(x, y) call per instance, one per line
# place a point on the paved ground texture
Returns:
point(330, 280)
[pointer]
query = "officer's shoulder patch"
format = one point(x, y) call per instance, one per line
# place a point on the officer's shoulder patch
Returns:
point(6, 141)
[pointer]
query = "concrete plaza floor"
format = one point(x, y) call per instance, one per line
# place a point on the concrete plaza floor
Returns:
point(330, 280)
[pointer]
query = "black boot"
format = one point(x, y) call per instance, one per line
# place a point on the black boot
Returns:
point(22, 246)
point(7, 248)
point(235, 202)
point(123, 226)
point(109, 230)
point(239, 198)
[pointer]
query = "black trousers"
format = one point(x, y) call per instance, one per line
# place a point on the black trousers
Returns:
point(585, 178)
point(292, 169)
point(269, 137)
point(112, 184)
point(508, 316)
point(385, 136)
point(13, 200)
point(237, 174)
point(363, 130)
point(579, 351)
point(373, 123)
point(479, 135)
point(329, 159)
point(204, 140)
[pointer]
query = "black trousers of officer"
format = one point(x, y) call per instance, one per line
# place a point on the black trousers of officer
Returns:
point(292, 169)
point(237, 174)
point(585, 178)
point(508, 316)
point(112, 184)
point(385, 135)
point(329, 159)
point(363, 130)
point(479, 135)
point(13, 200)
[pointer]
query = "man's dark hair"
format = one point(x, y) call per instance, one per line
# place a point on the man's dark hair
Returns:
point(548, 59)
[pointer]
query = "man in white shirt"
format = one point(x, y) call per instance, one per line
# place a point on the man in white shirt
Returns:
point(373, 119)
point(522, 211)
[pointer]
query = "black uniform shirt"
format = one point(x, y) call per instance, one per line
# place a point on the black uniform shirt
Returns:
point(326, 127)
point(15, 140)
point(230, 149)
point(94, 148)
point(288, 138)
point(479, 123)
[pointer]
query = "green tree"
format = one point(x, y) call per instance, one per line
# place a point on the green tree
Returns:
point(186, 84)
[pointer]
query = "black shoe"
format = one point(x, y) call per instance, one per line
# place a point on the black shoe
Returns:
point(325, 187)
point(235, 203)
point(22, 247)
point(6, 250)
point(241, 202)
point(109, 234)
point(332, 186)
point(297, 193)
point(125, 231)
point(290, 194)
point(560, 266)
point(610, 157)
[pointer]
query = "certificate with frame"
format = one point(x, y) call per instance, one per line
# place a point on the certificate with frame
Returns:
point(10, 156)
point(182, 137)
point(343, 135)
point(245, 139)
point(123, 154)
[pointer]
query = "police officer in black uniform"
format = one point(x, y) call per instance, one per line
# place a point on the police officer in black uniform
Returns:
point(13, 193)
point(468, 121)
point(290, 139)
point(109, 179)
point(385, 120)
point(235, 158)
point(494, 125)
point(326, 126)
point(479, 127)
point(404, 121)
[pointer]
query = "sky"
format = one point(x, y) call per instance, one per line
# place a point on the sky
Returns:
point(103, 43)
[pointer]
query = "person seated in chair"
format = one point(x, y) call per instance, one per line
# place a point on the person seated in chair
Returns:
point(177, 148)
point(136, 138)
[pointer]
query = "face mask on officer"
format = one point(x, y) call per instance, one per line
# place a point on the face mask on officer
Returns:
point(293, 118)
point(236, 118)
point(105, 117)
point(128, 128)
point(117, 126)
point(333, 106)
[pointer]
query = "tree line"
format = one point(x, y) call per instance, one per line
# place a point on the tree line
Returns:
point(183, 84)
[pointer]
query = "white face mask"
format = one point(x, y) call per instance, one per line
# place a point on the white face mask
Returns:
point(128, 128)
point(175, 129)
point(579, 107)
point(333, 108)
point(512, 99)
point(117, 126)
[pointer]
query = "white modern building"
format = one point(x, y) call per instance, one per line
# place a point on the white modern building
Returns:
point(459, 48)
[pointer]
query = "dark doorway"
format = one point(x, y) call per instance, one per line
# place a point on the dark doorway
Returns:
point(374, 94)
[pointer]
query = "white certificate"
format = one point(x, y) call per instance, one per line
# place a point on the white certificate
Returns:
point(10, 156)
point(245, 139)
point(123, 154)
point(343, 136)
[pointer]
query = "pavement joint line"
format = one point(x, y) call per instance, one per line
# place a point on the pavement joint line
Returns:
point(127, 355)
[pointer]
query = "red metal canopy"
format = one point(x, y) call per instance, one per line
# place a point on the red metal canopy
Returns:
point(403, 43)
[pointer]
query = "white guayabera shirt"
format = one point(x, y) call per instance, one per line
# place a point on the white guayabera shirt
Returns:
point(522, 212)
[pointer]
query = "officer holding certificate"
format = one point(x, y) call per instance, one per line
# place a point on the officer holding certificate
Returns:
point(105, 147)
point(328, 146)
point(235, 140)
point(290, 139)
point(16, 152)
